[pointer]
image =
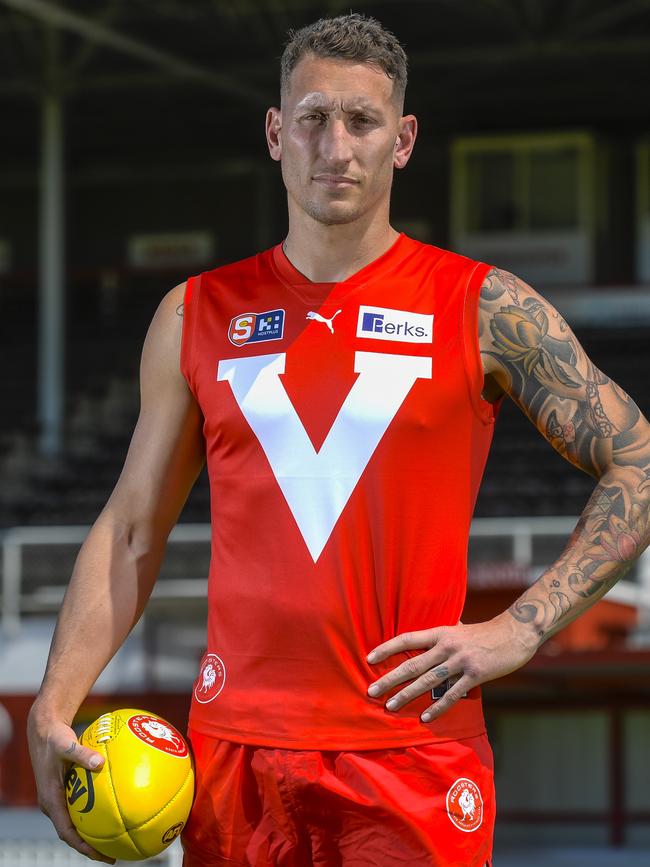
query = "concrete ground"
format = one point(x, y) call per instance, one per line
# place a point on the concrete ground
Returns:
point(572, 857)
point(30, 825)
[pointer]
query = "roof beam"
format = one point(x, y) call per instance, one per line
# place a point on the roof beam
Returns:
point(516, 52)
point(56, 16)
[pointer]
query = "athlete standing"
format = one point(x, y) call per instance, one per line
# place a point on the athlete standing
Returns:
point(343, 388)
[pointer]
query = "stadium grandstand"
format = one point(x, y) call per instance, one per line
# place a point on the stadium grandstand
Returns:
point(132, 155)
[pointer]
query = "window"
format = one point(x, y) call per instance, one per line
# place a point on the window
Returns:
point(526, 202)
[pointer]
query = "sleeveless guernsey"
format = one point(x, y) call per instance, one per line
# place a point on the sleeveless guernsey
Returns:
point(345, 439)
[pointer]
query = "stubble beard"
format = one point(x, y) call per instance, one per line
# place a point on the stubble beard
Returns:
point(329, 216)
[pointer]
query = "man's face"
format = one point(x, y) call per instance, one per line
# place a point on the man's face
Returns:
point(338, 135)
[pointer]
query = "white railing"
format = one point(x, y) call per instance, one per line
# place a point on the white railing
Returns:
point(14, 540)
point(520, 534)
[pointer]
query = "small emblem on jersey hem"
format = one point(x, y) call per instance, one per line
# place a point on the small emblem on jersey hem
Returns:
point(256, 327)
point(465, 805)
point(211, 679)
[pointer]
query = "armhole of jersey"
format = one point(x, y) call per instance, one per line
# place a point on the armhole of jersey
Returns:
point(190, 305)
point(486, 411)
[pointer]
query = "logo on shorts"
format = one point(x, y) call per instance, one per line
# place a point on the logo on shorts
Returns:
point(256, 327)
point(158, 734)
point(211, 679)
point(465, 805)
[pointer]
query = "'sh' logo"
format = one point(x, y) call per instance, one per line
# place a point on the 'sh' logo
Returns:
point(256, 327)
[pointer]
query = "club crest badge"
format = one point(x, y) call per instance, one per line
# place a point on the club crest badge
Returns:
point(465, 805)
point(211, 679)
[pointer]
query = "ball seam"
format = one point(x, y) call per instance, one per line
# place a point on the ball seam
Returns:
point(119, 808)
point(169, 803)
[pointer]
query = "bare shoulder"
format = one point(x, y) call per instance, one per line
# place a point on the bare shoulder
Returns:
point(171, 308)
point(162, 346)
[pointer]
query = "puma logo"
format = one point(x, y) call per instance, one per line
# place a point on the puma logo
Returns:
point(318, 318)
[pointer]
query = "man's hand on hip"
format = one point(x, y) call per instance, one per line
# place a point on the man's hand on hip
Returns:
point(466, 654)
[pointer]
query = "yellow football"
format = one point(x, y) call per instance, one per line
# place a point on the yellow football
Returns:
point(139, 801)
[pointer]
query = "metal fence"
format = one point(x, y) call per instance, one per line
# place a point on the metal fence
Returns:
point(529, 543)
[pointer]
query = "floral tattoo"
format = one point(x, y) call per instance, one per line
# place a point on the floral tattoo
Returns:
point(532, 353)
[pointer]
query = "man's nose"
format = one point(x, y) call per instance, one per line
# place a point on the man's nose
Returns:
point(336, 143)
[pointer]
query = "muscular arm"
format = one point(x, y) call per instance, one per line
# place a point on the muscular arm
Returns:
point(119, 561)
point(531, 353)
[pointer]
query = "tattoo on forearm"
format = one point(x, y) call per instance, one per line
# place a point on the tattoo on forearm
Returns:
point(180, 309)
point(593, 423)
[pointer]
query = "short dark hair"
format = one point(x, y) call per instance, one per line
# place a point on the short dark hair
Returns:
point(347, 37)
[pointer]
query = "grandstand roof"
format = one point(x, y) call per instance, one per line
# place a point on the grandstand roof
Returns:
point(149, 76)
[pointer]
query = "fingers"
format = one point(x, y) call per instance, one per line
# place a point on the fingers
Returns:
point(72, 751)
point(425, 683)
point(54, 807)
point(54, 747)
point(440, 665)
point(410, 669)
point(453, 694)
point(405, 641)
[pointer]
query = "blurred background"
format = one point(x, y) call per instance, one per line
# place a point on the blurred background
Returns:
point(132, 154)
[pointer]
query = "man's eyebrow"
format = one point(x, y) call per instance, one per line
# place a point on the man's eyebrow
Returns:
point(318, 102)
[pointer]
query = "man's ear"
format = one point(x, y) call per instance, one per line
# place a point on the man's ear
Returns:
point(273, 132)
point(408, 130)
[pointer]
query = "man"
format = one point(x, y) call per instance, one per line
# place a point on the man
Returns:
point(343, 387)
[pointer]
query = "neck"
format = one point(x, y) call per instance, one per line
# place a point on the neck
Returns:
point(329, 254)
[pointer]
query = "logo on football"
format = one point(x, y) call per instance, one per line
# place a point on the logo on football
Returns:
point(159, 734)
point(79, 784)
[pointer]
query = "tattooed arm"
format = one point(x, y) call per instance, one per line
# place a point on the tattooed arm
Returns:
point(530, 353)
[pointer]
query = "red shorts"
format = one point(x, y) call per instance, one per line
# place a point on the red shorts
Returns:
point(256, 806)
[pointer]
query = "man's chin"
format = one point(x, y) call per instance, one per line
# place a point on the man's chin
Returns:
point(337, 214)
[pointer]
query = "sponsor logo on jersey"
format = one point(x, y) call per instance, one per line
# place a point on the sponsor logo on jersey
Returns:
point(211, 679)
point(383, 323)
point(79, 784)
point(465, 805)
point(328, 322)
point(158, 734)
point(256, 327)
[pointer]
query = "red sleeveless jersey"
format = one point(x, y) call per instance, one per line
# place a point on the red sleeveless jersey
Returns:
point(346, 438)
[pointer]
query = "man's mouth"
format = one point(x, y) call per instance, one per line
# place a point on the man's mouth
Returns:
point(334, 181)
